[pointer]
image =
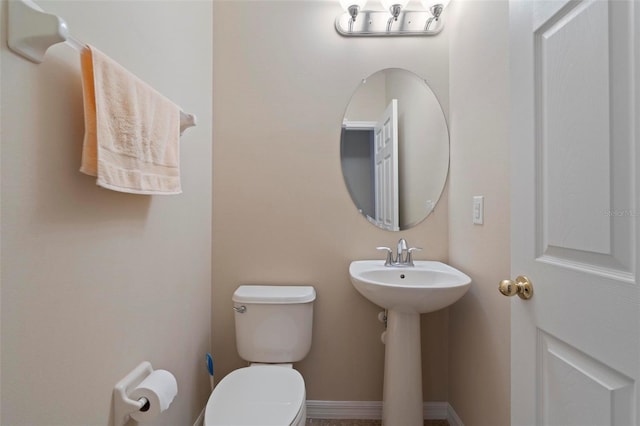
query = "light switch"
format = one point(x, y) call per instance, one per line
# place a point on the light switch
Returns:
point(478, 209)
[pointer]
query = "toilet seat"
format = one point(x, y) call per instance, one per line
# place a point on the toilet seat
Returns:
point(261, 395)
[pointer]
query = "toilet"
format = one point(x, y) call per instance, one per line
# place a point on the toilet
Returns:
point(273, 330)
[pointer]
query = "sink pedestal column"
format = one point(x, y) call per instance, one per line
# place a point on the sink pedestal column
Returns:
point(402, 392)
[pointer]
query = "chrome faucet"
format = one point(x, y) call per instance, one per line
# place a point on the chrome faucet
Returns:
point(401, 258)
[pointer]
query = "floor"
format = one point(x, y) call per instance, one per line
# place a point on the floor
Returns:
point(325, 422)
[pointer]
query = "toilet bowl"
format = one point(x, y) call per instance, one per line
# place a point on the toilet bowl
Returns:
point(261, 395)
point(273, 329)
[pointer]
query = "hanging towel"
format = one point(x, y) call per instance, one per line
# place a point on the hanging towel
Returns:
point(132, 132)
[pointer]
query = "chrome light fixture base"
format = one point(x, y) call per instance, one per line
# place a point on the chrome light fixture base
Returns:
point(375, 23)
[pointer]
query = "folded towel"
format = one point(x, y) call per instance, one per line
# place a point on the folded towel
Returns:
point(132, 132)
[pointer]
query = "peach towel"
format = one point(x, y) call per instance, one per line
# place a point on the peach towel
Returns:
point(132, 132)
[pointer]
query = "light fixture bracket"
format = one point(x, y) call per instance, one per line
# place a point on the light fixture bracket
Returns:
point(374, 23)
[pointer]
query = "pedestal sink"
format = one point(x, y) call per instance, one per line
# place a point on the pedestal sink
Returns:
point(406, 292)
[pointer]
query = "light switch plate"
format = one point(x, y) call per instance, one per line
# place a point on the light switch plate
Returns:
point(478, 210)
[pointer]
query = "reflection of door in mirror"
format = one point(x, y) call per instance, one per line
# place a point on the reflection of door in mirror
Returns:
point(370, 167)
point(386, 169)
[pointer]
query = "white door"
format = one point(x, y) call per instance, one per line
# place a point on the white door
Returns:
point(386, 168)
point(575, 87)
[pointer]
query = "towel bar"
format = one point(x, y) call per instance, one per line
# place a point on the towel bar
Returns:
point(32, 31)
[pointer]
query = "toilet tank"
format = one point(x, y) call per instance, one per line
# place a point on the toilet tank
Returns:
point(273, 323)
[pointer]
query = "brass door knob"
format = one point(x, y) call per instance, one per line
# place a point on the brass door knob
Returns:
point(521, 286)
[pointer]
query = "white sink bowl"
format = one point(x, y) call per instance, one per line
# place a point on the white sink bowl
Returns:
point(425, 287)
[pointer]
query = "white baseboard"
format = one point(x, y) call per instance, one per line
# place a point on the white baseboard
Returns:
point(373, 410)
point(452, 417)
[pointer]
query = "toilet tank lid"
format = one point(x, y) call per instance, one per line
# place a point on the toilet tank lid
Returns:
point(274, 294)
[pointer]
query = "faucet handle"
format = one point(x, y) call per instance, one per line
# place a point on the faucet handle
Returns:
point(409, 259)
point(389, 260)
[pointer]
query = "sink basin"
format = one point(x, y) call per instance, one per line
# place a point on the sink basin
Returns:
point(426, 287)
point(406, 292)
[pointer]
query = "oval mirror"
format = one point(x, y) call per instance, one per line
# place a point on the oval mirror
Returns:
point(394, 149)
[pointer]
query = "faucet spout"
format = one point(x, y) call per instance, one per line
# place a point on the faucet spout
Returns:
point(402, 249)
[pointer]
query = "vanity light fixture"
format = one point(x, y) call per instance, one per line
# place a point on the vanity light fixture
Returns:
point(393, 20)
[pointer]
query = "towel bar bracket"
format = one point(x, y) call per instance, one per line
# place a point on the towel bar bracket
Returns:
point(31, 30)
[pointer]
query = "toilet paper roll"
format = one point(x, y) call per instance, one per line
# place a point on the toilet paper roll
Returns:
point(160, 388)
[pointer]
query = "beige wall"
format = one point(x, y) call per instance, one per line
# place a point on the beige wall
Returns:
point(479, 322)
point(94, 281)
point(282, 80)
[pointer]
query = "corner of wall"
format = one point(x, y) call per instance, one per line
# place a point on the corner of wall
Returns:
point(479, 347)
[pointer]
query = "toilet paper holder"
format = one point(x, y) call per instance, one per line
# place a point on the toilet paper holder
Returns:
point(123, 406)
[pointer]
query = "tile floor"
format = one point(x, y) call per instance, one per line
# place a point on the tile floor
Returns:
point(325, 422)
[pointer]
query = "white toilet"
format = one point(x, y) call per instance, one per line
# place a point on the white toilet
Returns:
point(273, 330)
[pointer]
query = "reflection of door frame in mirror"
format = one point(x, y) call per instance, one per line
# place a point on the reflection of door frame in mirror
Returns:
point(358, 125)
point(386, 215)
point(363, 192)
